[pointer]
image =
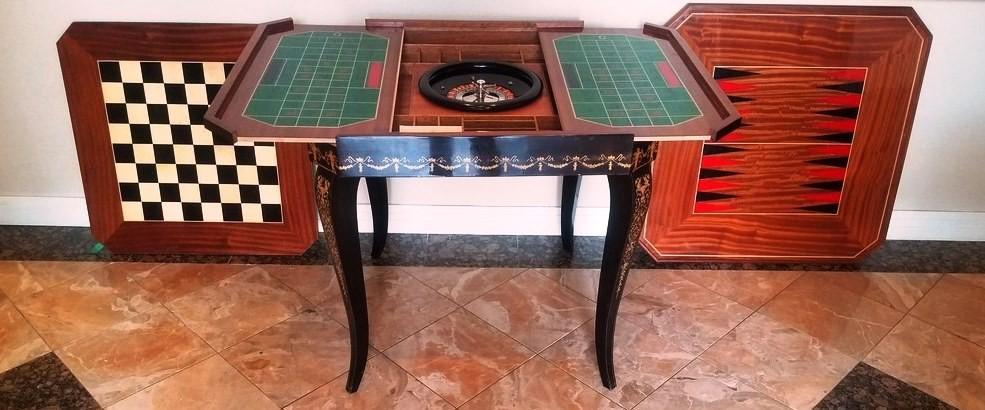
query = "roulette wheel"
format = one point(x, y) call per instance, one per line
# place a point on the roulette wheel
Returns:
point(480, 86)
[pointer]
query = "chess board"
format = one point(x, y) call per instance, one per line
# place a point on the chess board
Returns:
point(168, 166)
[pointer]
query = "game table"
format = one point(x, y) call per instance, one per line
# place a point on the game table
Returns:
point(396, 98)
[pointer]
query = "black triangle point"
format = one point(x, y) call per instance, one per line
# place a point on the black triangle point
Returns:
point(841, 137)
point(714, 173)
point(717, 149)
point(824, 208)
point(848, 112)
point(840, 162)
point(826, 185)
point(855, 88)
point(735, 99)
point(712, 196)
point(722, 73)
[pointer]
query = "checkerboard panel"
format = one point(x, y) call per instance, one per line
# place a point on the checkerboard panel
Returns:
point(168, 166)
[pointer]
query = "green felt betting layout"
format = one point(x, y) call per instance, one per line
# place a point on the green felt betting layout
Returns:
point(622, 80)
point(321, 79)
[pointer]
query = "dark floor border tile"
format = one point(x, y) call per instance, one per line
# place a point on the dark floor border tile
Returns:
point(75, 243)
point(865, 387)
point(43, 383)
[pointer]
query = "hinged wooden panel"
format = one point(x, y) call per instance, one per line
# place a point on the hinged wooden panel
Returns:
point(827, 96)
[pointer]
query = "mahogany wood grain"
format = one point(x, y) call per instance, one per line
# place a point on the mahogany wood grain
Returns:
point(474, 31)
point(79, 49)
point(794, 104)
point(890, 42)
point(771, 178)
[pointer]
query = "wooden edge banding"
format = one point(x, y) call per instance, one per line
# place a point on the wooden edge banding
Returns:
point(453, 25)
point(573, 25)
point(728, 117)
point(80, 49)
point(217, 109)
point(806, 9)
point(924, 57)
point(80, 76)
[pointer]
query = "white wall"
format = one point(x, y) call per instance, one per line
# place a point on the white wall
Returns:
point(942, 175)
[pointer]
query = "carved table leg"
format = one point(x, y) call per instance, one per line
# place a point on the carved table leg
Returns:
point(336, 200)
point(569, 198)
point(378, 203)
point(629, 198)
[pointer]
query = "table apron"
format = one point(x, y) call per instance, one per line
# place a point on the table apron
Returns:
point(459, 156)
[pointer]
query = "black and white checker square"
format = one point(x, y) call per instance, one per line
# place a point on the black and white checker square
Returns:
point(168, 166)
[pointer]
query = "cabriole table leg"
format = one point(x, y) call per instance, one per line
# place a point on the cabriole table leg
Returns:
point(629, 198)
point(336, 200)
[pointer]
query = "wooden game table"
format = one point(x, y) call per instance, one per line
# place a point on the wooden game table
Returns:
point(350, 92)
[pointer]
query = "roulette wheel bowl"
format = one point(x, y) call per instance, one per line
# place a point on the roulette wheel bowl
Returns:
point(480, 86)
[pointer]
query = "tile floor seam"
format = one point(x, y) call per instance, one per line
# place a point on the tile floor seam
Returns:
point(752, 385)
point(715, 364)
point(77, 339)
point(505, 375)
point(314, 306)
point(411, 375)
point(176, 317)
point(344, 374)
point(323, 317)
point(465, 311)
point(182, 370)
point(645, 282)
point(952, 333)
point(637, 289)
point(296, 314)
point(497, 287)
point(383, 351)
point(31, 325)
point(536, 352)
point(627, 291)
point(414, 333)
point(842, 287)
point(520, 271)
point(932, 326)
point(906, 314)
point(219, 351)
point(248, 380)
point(56, 284)
point(799, 275)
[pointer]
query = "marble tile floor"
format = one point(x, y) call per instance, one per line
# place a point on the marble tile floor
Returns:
point(148, 335)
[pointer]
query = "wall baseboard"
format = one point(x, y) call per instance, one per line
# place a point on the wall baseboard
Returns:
point(499, 220)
